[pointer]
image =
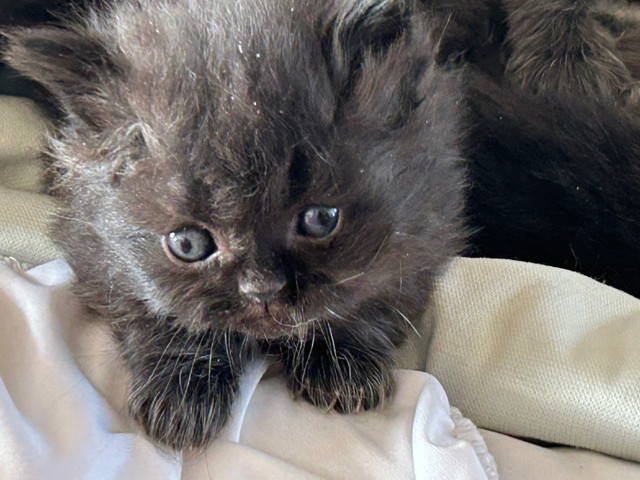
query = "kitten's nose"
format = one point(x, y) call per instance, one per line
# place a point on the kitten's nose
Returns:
point(263, 291)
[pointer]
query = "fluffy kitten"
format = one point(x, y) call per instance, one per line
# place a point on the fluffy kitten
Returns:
point(250, 177)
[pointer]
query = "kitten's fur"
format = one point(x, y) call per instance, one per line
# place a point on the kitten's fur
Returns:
point(575, 48)
point(553, 134)
point(237, 115)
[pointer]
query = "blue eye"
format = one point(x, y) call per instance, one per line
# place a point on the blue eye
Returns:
point(318, 222)
point(191, 244)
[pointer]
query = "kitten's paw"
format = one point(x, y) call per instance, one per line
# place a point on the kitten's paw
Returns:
point(342, 383)
point(184, 410)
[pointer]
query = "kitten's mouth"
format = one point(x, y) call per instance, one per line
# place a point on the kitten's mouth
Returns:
point(269, 320)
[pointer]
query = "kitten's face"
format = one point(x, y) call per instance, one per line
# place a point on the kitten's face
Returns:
point(236, 165)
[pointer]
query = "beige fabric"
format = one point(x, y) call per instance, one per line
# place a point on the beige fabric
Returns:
point(540, 352)
point(21, 130)
point(518, 460)
point(24, 210)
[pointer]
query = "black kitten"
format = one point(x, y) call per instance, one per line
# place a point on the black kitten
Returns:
point(242, 177)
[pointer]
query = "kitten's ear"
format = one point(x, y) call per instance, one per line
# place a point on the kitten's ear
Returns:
point(352, 28)
point(68, 63)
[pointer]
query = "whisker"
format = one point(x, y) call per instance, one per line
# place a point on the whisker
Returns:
point(227, 349)
point(335, 314)
point(332, 344)
point(211, 344)
point(406, 320)
point(157, 365)
point(444, 29)
point(316, 151)
point(310, 350)
point(375, 255)
point(176, 364)
point(347, 279)
point(295, 278)
point(306, 322)
point(196, 356)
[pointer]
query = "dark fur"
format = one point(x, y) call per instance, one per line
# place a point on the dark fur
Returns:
point(568, 191)
point(238, 115)
point(575, 48)
point(553, 132)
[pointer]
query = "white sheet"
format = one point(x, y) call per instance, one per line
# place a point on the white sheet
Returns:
point(62, 412)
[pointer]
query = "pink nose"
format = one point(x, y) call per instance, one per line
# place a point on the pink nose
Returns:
point(261, 291)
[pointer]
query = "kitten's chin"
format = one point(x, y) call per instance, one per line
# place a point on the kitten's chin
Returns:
point(272, 321)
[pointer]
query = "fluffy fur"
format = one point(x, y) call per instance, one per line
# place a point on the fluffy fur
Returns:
point(237, 116)
point(553, 135)
point(568, 190)
point(575, 48)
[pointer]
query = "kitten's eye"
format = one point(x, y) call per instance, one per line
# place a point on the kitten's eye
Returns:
point(191, 244)
point(318, 222)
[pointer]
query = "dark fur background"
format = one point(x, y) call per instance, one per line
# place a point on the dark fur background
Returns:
point(240, 115)
point(552, 131)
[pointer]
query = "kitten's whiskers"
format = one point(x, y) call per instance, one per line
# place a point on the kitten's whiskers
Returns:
point(348, 279)
point(379, 249)
point(332, 344)
point(335, 314)
point(185, 388)
point(310, 350)
point(406, 319)
point(444, 29)
point(227, 349)
point(158, 363)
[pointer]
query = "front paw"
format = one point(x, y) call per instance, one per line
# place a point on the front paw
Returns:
point(342, 381)
point(183, 408)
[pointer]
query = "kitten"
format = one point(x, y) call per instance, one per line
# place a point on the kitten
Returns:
point(251, 177)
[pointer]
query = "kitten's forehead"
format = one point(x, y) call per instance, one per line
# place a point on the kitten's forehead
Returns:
point(230, 62)
point(229, 90)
